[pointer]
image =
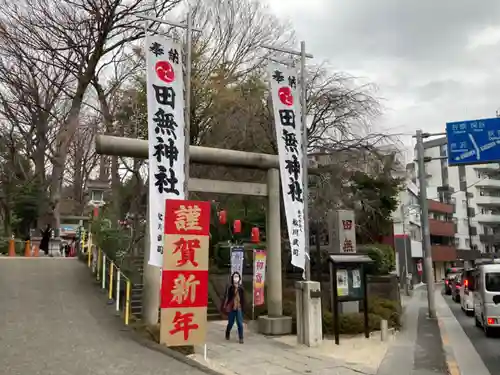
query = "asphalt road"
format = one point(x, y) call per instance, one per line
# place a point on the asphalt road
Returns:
point(488, 348)
point(54, 321)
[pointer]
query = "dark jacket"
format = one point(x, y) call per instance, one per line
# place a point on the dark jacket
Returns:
point(229, 296)
point(44, 243)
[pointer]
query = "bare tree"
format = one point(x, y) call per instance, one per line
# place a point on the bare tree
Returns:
point(30, 97)
point(82, 159)
point(227, 51)
point(75, 35)
point(125, 65)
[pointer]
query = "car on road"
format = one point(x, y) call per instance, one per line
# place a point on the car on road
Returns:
point(487, 297)
point(456, 284)
point(467, 291)
point(451, 274)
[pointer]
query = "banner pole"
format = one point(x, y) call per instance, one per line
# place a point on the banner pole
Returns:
point(253, 284)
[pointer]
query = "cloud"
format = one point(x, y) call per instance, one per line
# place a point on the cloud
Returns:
point(434, 61)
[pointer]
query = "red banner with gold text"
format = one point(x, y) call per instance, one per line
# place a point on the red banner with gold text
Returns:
point(184, 289)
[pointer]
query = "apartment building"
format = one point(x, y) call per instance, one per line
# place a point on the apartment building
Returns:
point(407, 232)
point(470, 194)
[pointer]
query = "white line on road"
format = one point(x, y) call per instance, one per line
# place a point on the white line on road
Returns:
point(466, 356)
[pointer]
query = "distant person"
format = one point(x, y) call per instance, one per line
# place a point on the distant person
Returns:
point(44, 243)
point(233, 305)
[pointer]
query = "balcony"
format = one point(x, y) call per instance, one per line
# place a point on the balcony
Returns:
point(486, 200)
point(490, 238)
point(443, 253)
point(488, 218)
point(487, 167)
point(489, 183)
point(441, 228)
point(436, 206)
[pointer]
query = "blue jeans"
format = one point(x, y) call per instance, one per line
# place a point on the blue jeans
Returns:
point(235, 315)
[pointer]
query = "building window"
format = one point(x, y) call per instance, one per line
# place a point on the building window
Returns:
point(467, 243)
point(457, 242)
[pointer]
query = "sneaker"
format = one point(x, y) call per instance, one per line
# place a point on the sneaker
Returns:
point(241, 341)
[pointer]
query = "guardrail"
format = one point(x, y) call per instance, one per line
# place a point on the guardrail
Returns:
point(117, 285)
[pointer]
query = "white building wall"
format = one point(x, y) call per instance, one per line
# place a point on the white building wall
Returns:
point(434, 168)
point(472, 180)
point(406, 218)
point(463, 240)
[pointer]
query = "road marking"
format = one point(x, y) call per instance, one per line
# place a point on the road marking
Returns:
point(451, 363)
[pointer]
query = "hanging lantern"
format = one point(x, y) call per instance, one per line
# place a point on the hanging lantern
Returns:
point(96, 211)
point(255, 235)
point(237, 226)
point(222, 217)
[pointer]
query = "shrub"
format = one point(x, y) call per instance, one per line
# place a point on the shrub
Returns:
point(353, 323)
point(387, 309)
point(383, 258)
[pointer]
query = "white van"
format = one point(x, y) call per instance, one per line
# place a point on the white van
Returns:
point(487, 296)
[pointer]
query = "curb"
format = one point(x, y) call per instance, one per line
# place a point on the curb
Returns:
point(152, 345)
point(169, 352)
point(451, 362)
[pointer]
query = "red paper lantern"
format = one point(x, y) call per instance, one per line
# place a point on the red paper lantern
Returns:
point(255, 235)
point(96, 211)
point(222, 217)
point(237, 226)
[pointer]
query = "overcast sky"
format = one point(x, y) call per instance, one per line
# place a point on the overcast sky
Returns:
point(433, 61)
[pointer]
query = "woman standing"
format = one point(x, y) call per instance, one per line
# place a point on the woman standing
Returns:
point(234, 302)
point(44, 243)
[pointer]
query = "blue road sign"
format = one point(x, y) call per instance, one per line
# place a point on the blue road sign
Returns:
point(473, 142)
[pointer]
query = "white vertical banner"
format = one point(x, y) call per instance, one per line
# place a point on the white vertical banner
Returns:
point(165, 94)
point(286, 108)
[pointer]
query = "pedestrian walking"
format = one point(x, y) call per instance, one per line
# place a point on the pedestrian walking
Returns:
point(44, 243)
point(233, 305)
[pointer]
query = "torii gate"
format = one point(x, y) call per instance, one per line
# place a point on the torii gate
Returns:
point(272, 324)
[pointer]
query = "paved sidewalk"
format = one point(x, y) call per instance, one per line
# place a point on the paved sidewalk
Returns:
point(54, 322)
point(418, 349)
point(282, 356)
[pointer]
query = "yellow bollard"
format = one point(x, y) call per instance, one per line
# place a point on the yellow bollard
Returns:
point(127, 303)
point(111, 271)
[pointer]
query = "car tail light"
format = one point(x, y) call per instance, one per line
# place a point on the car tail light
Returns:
point(466, 283)
point(491, 321)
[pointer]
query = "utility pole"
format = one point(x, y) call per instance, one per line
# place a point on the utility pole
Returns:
point(405, 273)
point(429, 272)
point(305, 160)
